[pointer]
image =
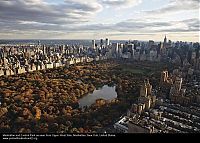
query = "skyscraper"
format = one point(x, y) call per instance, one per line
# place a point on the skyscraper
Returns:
point(163, 50)
point(93, 44)
point(101, 43)
point(107, 42)
point(151, 42)
point(39, 43)
point(165, 40)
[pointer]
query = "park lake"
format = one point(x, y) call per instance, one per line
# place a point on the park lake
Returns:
point(106, 92)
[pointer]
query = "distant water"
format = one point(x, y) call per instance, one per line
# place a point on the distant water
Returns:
point(106, 92)
point(53, 42)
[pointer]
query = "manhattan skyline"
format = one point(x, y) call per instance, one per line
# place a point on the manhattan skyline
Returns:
point(95, 19)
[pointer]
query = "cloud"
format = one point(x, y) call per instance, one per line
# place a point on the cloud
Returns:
point(130, 34)
point(21, 18)
point(39, 16)
point(142, 26)
point(27, 15)
point(120, 3)
point(175, 6)
point(130, 26)
point(188, 25)
point(71, 11)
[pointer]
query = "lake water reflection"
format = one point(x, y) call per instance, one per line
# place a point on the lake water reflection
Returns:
point(106, 92)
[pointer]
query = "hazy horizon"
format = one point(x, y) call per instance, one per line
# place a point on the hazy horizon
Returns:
point(95, 39)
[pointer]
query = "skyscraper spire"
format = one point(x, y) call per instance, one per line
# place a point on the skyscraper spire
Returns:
point(165, 39)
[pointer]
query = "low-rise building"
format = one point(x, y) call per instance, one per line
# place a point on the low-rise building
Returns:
point(122, 125)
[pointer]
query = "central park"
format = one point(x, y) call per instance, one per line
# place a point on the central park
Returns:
point(47, 101)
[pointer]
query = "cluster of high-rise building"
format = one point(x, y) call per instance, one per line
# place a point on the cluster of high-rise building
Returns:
point(153, 113)
point(140, 51)
point(180, 53)
point(132, 123)
point(174, 108)
point(182, 85)
point(16, 59)
point(146, 99)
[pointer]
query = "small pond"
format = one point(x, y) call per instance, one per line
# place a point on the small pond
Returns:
point(106, 92)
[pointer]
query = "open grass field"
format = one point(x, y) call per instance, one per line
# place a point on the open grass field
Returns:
point(137, 71)
point(142, 68)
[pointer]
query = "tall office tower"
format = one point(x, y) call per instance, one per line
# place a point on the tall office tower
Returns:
point(61, 48)
point(115, 49)
point(178, 83)
point(107, 42)
point(5, 53)
point(149, 87)
point(143, 90)
point(1, 53)
point(151, 42)
point(160, 46)
point(48, 50)
point(165, 40)
point(197, 49)
point(39, 43)
point(164, 76)
point(44, 49)
point(101, 43)
point(130, 48)
point(93, 44)
point(165, 44)
point(176, 88)
point(11, 51)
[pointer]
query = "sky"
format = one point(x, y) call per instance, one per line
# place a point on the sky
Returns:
point(96, 19)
